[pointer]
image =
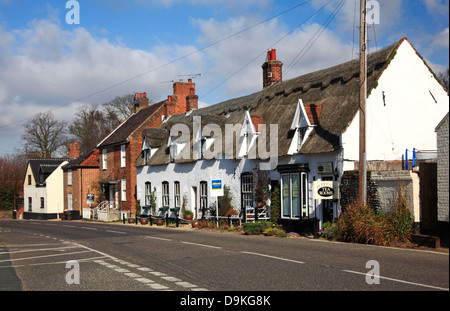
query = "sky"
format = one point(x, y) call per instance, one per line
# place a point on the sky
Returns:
point(118, 47)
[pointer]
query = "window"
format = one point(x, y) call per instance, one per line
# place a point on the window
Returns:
point(294, 195)
point(165, 194)
point(123, 156)
point(104, 159)
point(69, 177)
point(69, 201)
point(30, 204)
point(247, 190)
point(42, 202)
point(176, 194)
point(29, 179)
point(203, 197)
point(123, 186)
point(148, 191)
point(300, 137)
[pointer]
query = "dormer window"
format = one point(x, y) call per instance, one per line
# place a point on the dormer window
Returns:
point(301, 126)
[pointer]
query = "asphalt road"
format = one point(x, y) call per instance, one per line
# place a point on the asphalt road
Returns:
point(86, 256)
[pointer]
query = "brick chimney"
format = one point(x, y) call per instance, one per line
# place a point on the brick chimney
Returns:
point(191, 100)
point(140, 101)
point(272, 69)
point(74, 150)
point(184, 96)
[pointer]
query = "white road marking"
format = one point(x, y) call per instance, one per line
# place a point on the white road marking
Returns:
point(35, 257)
point(203, 245)
point(273, 257)
point(116, 231)
point(156, 238)
point(400, 281)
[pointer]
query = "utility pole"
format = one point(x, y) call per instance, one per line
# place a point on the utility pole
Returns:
point(362, 103)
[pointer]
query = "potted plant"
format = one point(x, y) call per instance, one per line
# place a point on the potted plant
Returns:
point(188, 214)
point(195, 224)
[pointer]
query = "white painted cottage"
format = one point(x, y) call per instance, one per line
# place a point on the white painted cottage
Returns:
point(43, 188)
point(404, 104)
point(300, 132)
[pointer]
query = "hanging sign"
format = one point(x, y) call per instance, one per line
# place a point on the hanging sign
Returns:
point(326, 190)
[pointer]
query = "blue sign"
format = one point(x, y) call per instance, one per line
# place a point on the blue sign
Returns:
point(216, 187)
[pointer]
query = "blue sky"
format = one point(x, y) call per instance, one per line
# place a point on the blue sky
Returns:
point(122, 47)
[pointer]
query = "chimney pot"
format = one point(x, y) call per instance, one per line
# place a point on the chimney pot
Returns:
point(169, 98)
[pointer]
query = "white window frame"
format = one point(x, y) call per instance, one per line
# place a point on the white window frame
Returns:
point(69, 177)
point(177, 194)
point(165, 194)
point(104, 159)
point(69, 201)
point(123, 156)
point(302, 195)
point(123, 190)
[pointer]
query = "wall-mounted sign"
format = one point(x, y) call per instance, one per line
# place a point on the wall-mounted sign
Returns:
point(216, 187)
point(325, 168)
point(90, 198)
point(326, 190)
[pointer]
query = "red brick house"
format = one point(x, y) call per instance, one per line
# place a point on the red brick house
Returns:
point(120, 149)
point(80, 178)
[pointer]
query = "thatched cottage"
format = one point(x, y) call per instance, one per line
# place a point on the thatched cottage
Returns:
point(300, 132)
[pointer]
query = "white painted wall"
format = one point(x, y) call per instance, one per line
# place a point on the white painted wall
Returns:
point(407, 117)
point(55, 191)
point(191, 174)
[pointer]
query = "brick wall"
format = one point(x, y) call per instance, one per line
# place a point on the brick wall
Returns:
point(442, 170)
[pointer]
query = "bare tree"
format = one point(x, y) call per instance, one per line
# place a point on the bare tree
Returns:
point(121, 106)
point(91, 125)
point(443, 76)
point(44, 136)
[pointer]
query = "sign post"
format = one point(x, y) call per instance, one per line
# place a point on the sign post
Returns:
point(216, 191)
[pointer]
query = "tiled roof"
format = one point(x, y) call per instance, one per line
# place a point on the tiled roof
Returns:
point(127, 127)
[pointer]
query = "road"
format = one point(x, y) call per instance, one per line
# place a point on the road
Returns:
point(86, 256)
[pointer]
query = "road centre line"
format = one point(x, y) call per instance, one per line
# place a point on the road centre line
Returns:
point(116, 231)
point(203, 245)
point(157, 238)
point(273, 257)
point(88, 228)
point(400, 281)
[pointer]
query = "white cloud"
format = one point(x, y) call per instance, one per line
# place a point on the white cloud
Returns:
point(441, 40)
point(43, 67)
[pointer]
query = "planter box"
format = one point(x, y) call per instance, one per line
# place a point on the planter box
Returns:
point(131, 220)
point(188, 217)
point(143, 221)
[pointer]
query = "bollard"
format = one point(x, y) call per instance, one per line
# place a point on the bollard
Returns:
point(123, 218)
point(167, 219)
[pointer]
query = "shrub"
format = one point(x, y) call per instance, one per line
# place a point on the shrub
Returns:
point(274, 232)
point(256, 228)
point(361, 224)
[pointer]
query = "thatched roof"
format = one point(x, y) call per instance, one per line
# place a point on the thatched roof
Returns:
point(335, 90)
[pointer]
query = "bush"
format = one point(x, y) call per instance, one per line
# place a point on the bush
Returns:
point(275, 232)
point(361, 224)
point(256, 228)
